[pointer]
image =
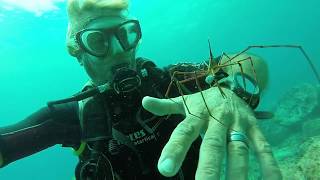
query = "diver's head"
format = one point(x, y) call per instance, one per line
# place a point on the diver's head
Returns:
point(102, 36)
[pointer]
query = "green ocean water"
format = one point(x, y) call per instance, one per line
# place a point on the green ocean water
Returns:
point(35, 67)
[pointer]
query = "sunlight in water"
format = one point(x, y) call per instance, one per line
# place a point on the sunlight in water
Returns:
point(38, 7)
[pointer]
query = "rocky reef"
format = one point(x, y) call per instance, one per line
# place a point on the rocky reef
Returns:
point(305, 164)
point(300, 103)
point(294, 134)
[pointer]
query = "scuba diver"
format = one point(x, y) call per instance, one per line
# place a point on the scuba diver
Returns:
point(123, 126)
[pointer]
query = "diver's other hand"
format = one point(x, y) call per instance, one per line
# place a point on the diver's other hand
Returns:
point(229, 114)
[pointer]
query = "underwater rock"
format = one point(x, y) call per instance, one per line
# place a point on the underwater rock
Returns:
point(311, 127)
point(310, 161)
point(294, 134)
point(298, 111)
point(275, 132)
point(289, 148)
point(298, 103)
point(298, 159)
point(306, 165)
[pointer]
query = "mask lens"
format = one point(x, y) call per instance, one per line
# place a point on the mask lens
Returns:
point(129, 35)
point(94, 42)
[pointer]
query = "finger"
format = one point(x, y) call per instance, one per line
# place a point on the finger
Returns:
point(178, 145)
point(262, 148)
point(237, 160)
point(237, 147)
point(161, 107)
point(212, 151)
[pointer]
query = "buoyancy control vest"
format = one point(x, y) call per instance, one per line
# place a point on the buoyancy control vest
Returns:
point(115, 119)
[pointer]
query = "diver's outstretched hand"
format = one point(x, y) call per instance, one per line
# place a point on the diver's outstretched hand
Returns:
point(228, 115)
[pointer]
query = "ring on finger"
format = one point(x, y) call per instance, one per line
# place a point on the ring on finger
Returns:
point(238, 136)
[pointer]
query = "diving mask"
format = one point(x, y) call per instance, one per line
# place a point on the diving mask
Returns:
point(97, 42)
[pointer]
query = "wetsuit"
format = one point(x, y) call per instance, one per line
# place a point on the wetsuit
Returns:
point(61, 125)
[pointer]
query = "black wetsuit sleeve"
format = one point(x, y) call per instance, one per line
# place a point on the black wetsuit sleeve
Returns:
point(42, 129)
